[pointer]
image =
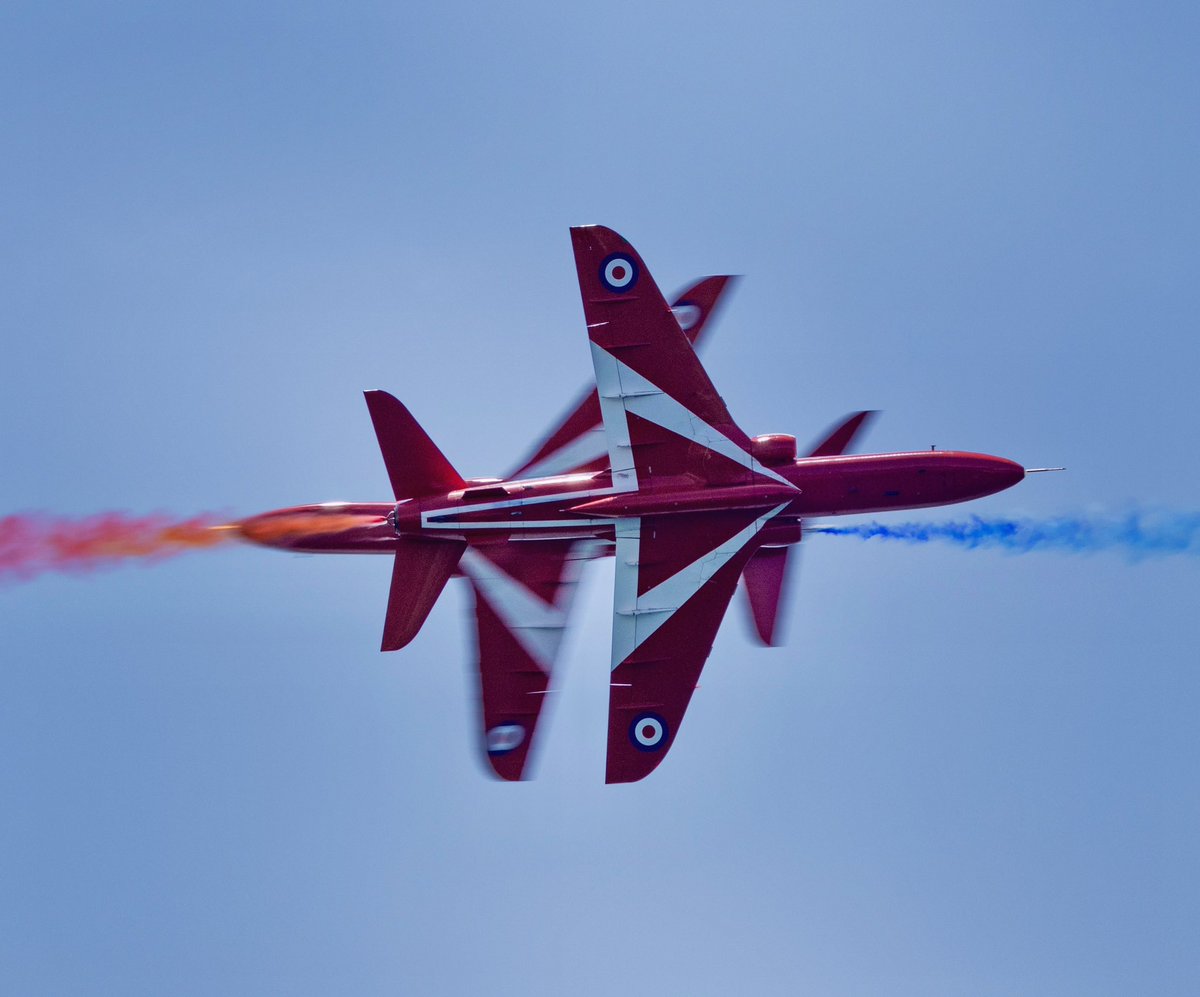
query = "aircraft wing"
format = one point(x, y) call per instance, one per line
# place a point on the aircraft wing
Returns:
point(663, 418)
point(576, 444)
point(523, 592)
point(674, 579)
point(675, 573)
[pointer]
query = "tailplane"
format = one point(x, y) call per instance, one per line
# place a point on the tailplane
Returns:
point(419, 573)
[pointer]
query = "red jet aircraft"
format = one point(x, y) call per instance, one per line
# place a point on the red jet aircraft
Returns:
point(686, 501)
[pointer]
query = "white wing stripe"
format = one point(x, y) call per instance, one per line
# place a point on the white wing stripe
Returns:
point(612, 410)
point(585, 448)
point(635, 617)
point(537, 627)
point(636, 394)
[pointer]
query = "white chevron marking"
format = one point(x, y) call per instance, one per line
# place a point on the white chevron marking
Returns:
point(636, 617)
point(622, 390)
point(538, 627)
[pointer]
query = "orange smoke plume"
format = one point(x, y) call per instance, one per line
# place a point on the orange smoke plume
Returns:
point(32, 544)
point(298, 525)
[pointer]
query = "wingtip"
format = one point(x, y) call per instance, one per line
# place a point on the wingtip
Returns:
point(508, 767)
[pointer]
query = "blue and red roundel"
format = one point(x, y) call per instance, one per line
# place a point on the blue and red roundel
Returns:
point(648, 732)
point(504, 738)
point(618, 273)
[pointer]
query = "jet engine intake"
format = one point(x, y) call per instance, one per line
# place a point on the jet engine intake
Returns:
point(773, 449)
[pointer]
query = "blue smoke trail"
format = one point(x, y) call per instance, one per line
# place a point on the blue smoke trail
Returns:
point(1137, 534)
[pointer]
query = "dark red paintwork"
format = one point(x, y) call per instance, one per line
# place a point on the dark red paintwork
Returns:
point(829, 486)
point(687, 499)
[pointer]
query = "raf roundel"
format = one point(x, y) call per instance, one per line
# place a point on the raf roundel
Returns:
point(648, 732)
point(504, 738)
point(618, 273)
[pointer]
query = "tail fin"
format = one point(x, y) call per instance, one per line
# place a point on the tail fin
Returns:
point(415, 465)
point(419, 573)
point(841, 437)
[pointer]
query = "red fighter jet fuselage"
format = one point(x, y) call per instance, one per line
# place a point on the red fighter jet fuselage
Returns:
point(579, 506)
point(685, 500)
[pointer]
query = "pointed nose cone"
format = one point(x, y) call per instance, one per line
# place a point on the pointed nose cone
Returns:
point(1007, 471)
point(997, 474)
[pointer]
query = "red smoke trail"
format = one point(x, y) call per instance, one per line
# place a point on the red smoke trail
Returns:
point(32, 544)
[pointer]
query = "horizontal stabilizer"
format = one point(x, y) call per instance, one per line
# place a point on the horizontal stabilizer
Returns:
point(415, 465)
point(841, 437)
point(419, 573)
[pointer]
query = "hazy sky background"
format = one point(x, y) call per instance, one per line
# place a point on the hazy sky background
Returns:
point(967, 773)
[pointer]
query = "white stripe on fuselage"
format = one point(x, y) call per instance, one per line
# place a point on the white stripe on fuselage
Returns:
point(516, 503)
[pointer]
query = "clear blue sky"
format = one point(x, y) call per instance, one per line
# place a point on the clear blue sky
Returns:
point(967, 773)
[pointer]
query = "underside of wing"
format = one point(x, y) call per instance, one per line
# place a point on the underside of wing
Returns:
point(523, 592)
point(662, 415)
point(576, 444)
point(673, 581)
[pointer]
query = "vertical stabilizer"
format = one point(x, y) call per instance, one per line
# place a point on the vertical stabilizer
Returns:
point(841, 437)
point(415, 465)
